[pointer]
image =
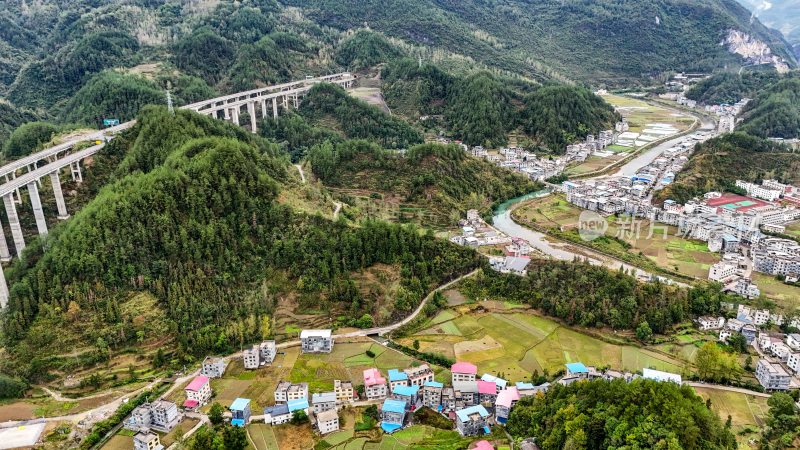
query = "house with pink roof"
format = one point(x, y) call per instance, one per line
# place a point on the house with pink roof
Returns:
point(374, 384)
point(506, 400)
point(487, 391)
point(483, 445)
point(463, 371)
point(198, 392)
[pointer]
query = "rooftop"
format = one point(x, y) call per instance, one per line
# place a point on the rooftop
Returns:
point(315, 333)
point(396, 375)
point(658, 375)
point(277, 410)
point(395, 406)
point(197, 383)
point(487, 387)
point(240, 404)
point(507, 396)
point(323, 397)
point(464, 367)
point(327, 416)
point(577, 368)
point(405, 390)
point(298, 404)
point(463, 414)
point(434, 384)
point(501, 383)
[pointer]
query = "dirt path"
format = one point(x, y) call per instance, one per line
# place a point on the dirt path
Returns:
point(302, 175)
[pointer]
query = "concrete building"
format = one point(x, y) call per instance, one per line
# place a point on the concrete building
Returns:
point(240, 412)
point(344, 391)
point(146, 440)
point(472, 421)
point(251, 357)
point(772, 376)
point(393, 414)
point(316, 341)
point(286, 391)
point(267, 350)
point(506, 400)
point(463, 371)
point(432, 395)
point(499, 382)
point(160, 415)
point(657, 375)
point(397, 378)
point(706, 323)
point(406, 394)
point(323, 401)
point(213, 366)
point(277, 414)
point(418, 376)
point(793, 341)
point(374, 384)
point(327, 421)
point(198, 392)
point(793, 362)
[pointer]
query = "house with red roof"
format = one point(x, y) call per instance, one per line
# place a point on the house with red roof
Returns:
point(374, 384)
point(198, 393)
point(463, 371)
point(488, 392)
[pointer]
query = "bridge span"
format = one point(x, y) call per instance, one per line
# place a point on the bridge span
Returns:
point(27, 172)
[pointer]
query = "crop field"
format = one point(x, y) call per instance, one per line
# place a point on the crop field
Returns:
point(658, 242)
point(517, 343)
point(793, 229)
point(787, 297)
point(403, 439)
point(747, 412)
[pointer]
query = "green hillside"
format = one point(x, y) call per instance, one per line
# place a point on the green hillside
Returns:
point(442, 177)
point(603, 41)
point(193, 218)
point(775, 111)
point(717, 164)
point(731, 87)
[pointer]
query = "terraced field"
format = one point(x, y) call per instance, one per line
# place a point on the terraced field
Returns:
point(515, 344)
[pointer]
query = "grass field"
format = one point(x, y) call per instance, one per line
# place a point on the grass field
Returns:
point(119, 442)
point(793, 229)
point(263, 436)
point(517, 343)
point(785, 296)
point(746, 411)
point(657, 242)
point(639, 113)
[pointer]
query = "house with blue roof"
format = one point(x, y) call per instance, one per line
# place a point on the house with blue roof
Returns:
point(393, 414)
point(432, 395)
point(277, 414)
point(576, 369)
point(397, 378)
point(300, 404)
point(472, 421)
point(240, 412)
point(407, 394)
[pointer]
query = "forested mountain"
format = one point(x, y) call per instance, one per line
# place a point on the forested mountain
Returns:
point(775, 111)
point(603, 41)
point(617, 414)
point(482, 108)
point(191, 217)
point(731, 87)
point(441, 176)
point(717, 163)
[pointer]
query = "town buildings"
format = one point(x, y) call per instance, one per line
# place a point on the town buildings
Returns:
point(213, 366)
point(327, 421)
point(146, 440)
point(472, 421)
point(240, 412)
point(259, 354)
point(323, 401)
point(374, 384)
point(160, 415)
point(432, 395)
point(418, 376)
point(286, 391)
point(393, 414)
point(772, 375)
point(344, 391)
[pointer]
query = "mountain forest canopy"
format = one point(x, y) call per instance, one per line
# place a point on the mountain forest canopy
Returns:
point(731, 87)
point(775, 111)
point(198, 226)
point(616, 414)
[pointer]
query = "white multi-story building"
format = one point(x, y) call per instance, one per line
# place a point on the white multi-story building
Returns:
point(710, 323)
point(327, 421)
point(287, 391)
point(793, 362)
point(213, 366)
point(793, 341)
point(374, 384)
point(146, 440)
point(251, 357)
point(316, 341)
point(772, 375)
point(418, 376)
point(323, 401)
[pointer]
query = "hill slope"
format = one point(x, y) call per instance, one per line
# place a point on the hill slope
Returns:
point(200, 226)
point(775, 111)
point(603, 41)
point(717, 163)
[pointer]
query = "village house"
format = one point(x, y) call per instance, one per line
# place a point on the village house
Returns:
point(213, 366)
point(316, 341)
point(506, 400)
point(198, 392)
point(710, 323)
point(463, 371)
point(393, 414)
point(268, 350)
point(432, 395)
point(299, 404)
point(406, 394)
point(327, 421)
point(286, 391)
point(724, 334)
point(240, 412)
point(499, 382)
point(772, 375)
point(793, 362)
point(575, 372)
point(397, 378)
point(487, 390)
point(793, 341)
point(251, 357)
point(374, 384)
point(466, 393)
point(323, 401)
point(277, 414)
point(472, 421)
point(418, 376)
point(160, 415)
point(146, 440)
point(344, 391)
point(657, 375)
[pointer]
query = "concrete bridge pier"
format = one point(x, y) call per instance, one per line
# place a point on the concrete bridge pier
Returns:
point(76, 171)
point(36, 204)
point(227, 114)
point(13, 222)
point(3, 289)
point(251, 110)
point(263, 109)
point(62, 206)
point(235, 115)
point(5, 254)
point(285, 101)
point(274, 108)
point(296, 101)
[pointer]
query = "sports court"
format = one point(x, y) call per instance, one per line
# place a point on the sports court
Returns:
point(24, 435)
point(735, 202)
